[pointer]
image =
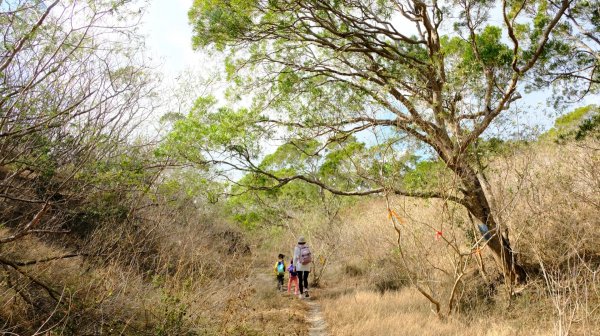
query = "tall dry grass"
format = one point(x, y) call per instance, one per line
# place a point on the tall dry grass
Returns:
point(407, 313)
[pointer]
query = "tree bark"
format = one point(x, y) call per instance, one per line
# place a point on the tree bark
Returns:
point(478, 205)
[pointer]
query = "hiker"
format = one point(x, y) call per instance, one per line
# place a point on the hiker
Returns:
point(293, 278)
point(302, 260)
point(280, 271)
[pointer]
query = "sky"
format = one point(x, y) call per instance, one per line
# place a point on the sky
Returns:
point(169, 35)
point(186, 74)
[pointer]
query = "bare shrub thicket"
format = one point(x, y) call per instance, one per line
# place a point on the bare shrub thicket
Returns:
point(552, 204)
point(70, 96)
point(171, 270)
point(90, 240)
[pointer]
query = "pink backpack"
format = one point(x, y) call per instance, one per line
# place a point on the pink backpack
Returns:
point(305, 255)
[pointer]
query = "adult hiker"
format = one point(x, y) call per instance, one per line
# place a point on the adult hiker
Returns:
point(302, 260)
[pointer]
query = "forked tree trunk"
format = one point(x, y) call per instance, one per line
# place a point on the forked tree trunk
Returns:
point(478, 205)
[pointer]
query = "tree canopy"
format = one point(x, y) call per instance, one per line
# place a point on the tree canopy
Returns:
point(438, 73)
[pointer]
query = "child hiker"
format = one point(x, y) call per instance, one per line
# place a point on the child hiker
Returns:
point(293, 278)
point(280, 271)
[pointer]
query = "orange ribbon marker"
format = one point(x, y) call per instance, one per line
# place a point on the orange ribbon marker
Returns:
point(438, 235)
point(392, 214)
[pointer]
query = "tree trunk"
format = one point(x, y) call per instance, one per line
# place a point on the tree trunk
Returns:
point(479, 206)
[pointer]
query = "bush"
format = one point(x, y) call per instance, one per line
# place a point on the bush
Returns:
point(353, 270)
point(389, 276)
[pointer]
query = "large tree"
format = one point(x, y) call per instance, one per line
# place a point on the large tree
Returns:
point(435, 73)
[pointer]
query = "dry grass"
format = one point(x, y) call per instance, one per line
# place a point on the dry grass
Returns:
point(406, 313)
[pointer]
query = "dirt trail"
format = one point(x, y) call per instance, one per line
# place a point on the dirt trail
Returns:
point(318, 327)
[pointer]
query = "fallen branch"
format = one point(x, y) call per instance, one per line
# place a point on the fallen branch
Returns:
point(53, 294)
point(33, 262)
point(27, 229)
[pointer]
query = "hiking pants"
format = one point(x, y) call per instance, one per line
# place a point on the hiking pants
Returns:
point(303, 277)
point(293, 281)
point(280, 281)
